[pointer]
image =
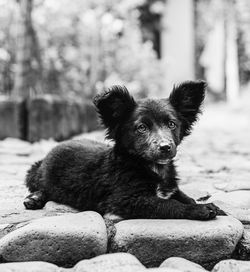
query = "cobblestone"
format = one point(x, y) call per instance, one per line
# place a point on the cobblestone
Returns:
point(63, 240)
point(215, 157)
point(182, 264)
point(152, 241)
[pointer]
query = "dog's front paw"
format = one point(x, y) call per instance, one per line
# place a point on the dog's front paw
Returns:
point(201, 211)
point(34, 201)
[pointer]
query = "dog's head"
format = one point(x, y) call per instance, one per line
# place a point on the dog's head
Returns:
point(151, 129)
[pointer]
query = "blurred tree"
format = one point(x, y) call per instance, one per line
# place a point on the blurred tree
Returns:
point(91, 44)
point(83, 46)
point(207, 13)
point(242, 8)
point(150, 19)
point(231, 57)
point(28, 62)
point(7, 44)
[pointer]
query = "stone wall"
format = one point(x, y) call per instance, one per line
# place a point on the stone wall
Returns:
point(46, 117)
point(13, 122)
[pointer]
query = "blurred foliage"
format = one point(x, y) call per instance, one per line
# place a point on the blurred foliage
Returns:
point(150, 19)
point(85, 46)
point(7, 44)
point(243, 17)
point(206, 13)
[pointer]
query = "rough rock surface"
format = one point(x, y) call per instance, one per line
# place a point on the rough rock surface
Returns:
point(182, 264)
point(122, 262)
point(239, 199)
point(117, 262)
point(152, 241)
point(243, 247)
point(30, 267)
point(62, 240)
point(242, 214)
point(54, 207)
point(232, 266)
point(14, 219)
point(163, 269)
point(125, 262)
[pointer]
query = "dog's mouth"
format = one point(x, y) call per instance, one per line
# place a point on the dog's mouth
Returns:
point(163, 161)
point(159, 158)
point(166, 159)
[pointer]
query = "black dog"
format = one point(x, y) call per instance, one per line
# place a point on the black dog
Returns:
point(134, 179)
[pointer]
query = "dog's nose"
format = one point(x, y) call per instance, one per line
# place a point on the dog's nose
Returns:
point(165, 147)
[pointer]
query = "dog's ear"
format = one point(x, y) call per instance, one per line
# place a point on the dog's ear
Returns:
point(187, 99)
point(113, 106)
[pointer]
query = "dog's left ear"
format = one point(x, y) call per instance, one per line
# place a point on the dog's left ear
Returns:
point(113, 106)
point(187, 99)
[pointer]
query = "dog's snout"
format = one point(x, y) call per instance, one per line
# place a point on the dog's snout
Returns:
point(165, 147)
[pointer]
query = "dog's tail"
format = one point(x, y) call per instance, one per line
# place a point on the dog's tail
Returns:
point(32, 177)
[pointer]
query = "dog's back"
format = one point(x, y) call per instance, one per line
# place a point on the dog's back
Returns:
point(64, 164)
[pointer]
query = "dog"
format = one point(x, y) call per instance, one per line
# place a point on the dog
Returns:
point(136, 177)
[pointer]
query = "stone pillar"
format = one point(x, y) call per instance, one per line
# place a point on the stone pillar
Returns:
point(232, 66)
point(212, 58)
point(178, 42)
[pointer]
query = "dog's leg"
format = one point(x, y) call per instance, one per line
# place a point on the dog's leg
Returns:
point(183, 198)
point(35, 201)
point(156, 208)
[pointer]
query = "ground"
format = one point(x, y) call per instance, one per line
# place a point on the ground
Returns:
point(217, 153)
point(216, 156)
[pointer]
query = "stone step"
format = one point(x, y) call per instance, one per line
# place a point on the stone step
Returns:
point(66, 239)
point(153, 241)
point(182, 264)
point(125, 262)
point(62, 240)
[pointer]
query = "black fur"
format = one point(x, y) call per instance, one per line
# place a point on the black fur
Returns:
point(135, 178)
point(187, 99)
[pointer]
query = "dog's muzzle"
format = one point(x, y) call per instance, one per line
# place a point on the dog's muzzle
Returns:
point(167, 151)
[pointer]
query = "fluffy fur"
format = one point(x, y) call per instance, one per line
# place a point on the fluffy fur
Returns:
point(135, 178)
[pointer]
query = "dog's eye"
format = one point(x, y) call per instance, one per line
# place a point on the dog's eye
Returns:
point(171, 125)
point(142, 128)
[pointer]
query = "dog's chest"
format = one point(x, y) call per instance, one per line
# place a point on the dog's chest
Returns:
point(163, 190)
point(164, 193)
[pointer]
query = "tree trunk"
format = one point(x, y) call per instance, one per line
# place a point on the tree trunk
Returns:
point(28, 63)
point(232, 66)
point(178, 42)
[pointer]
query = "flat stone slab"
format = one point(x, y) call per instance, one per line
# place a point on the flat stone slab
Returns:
point(62, 240)
point(232, 266)
point(30, 267)
point(239, 199)
point(163, 269)
point(122, 262)
point(182, 265)
point(11, 219)
point(116, 262)
point(18, 215)
point(153, 241)
point(242, 214)
point(243, 248)
point(236, 204)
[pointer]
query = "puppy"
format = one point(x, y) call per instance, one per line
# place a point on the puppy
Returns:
point(136, 178)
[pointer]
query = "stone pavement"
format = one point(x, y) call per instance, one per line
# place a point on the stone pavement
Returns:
point(125, 262)
point(65, 240)
point(216, 155)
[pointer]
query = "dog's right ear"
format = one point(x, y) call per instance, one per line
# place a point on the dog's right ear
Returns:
point(113, 106)
point(187, 99)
